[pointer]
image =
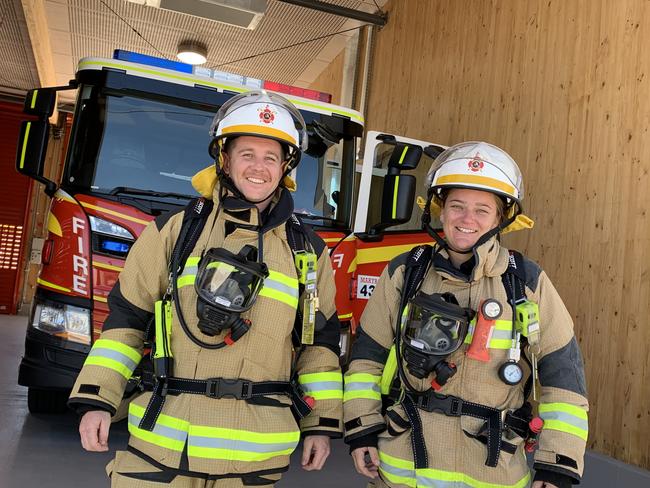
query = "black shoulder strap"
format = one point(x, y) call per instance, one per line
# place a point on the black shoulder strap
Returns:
point(514, 278)
point(194, 219)
point(417, 263)
point(296, 234)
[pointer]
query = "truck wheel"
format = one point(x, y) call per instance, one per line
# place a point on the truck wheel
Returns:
point(46, 401)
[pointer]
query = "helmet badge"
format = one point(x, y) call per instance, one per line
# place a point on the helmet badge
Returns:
point(475, 165)
point(267, 115)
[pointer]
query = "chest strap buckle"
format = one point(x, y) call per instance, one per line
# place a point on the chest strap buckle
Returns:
point(226, 388)
point(449, 405)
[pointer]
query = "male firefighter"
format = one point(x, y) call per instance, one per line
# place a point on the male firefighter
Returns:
point(216, 289)
point(444, 338)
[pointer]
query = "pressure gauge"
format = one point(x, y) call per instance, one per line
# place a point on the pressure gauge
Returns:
point(491, 309)
point(511, 373)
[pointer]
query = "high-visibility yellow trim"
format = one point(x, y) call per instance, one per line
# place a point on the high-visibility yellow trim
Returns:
point(362, 378)
point(34, 96)
point(346, 316)
point(192, 261)
point(279, 296)
point(316, 377)
point(361, 394)
point(53, 225)
point(114, 213)
point(552, 424)
point(52, 285)
point(156, 439)
point(100, 299)
point(401, 160)
point(185, 280)
point(24, 148)
point(98, 264)
point(563, 407)
point(245, 435)
point(386, 253)
point(258, 129)
point(120, 347)
point(110, 364)
point(495, 343)
point(477, 180)
point(389, 372)
point(331, 239)
point(164, 420)
point(282, 278)
point(437, 475)
point(220, 453)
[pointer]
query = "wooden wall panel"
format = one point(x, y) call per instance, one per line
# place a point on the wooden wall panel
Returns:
point(329, 81)
point(563, 86)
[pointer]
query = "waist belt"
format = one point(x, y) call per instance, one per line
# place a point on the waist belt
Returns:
point(250, 391)
point(452, 406)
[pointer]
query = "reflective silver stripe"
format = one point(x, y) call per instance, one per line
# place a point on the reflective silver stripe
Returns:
point(321, 385)
point(358, 385)
point(103, 352)
point(566, 418)
point(433, 483)
point(239, 445)
point(281, 287)
point(161, 430)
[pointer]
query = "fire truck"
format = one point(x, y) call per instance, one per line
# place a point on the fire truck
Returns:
point(139, 133)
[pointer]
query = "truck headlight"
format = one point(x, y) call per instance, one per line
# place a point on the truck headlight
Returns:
point(64, 321)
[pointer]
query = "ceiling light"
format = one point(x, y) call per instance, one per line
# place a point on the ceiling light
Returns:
point(192, 52)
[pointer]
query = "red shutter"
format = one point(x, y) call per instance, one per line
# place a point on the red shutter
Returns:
point(15, 198)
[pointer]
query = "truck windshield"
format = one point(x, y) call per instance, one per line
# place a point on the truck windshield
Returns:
point(151, 149)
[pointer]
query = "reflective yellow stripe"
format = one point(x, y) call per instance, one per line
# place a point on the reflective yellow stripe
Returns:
point(192, 261)
point(114, 213)
point(185, 280)
point(53, 225)
point(314, 377)
point(120, 347)
point(477, 180)
point(156, 438)
point(24, 149)
point(100, 299)
point(386, 253)
point(34, 96)
point(97, 264)
point(269, 291)
point(322, 386)
point(565, 417)
point(361, 386)
point(52, 285)
point(497, 341)
point(401, 160)
point(345, 316)
point(258, 129)
point(403, 471)
point(110, 364)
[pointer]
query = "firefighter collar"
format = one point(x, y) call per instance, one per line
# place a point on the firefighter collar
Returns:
point(490, 260)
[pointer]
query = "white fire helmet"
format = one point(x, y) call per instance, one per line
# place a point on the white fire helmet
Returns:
point(262, 114)
point(477, 166)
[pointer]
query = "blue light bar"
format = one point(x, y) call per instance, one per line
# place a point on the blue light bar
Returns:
point(123, 55)
point(115, 246)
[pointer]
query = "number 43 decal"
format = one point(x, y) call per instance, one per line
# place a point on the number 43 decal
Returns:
point(365, 286)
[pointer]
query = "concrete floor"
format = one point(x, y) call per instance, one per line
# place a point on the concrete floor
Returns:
point(44, 450)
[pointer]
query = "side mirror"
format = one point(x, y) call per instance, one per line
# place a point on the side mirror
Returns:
point(404, 157)
point(40, 102)
point(397, 201)
point(32, 148)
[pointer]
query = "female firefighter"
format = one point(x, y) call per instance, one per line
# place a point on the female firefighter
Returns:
point(210, 288)
point(456, 338)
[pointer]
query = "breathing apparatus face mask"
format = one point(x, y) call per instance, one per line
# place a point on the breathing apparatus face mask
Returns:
point(435, 327)
point(227, 284)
